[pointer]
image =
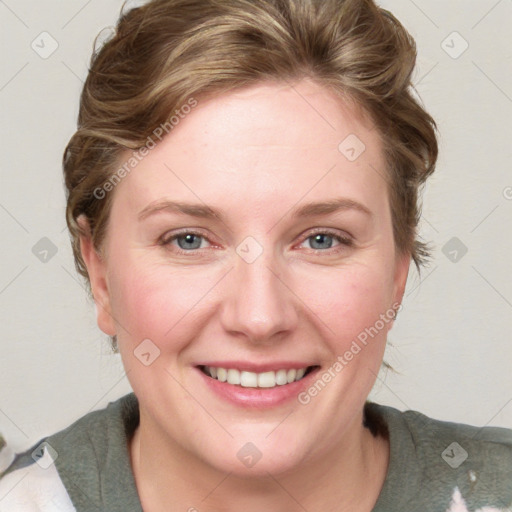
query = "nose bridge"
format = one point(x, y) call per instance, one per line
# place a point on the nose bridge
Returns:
point(259, 305)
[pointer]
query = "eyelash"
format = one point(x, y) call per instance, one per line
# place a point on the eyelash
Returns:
point(345, 241)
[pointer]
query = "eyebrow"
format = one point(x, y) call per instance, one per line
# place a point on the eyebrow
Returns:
point(206, 212)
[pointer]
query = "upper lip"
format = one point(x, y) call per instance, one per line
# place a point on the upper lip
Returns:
point(255, 367)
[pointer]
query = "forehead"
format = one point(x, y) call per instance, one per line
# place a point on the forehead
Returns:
point(262, 142)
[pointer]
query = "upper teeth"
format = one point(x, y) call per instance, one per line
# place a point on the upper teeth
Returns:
point(255, 380)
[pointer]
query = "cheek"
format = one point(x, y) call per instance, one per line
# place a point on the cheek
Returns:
point(155, 302)
point(169, 305)
point(349, 302)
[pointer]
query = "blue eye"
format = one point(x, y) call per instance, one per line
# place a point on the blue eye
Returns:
point(323, 240)
point(190, 241)
point(187, 241)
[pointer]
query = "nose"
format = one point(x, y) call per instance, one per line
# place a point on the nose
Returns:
point(259, 306)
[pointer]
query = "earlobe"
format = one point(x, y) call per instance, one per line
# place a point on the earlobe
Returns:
point(96, 268)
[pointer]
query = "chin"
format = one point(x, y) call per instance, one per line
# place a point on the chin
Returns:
point(257, 464)
point(253, 455)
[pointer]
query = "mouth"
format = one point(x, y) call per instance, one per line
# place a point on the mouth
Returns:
point(247, 379)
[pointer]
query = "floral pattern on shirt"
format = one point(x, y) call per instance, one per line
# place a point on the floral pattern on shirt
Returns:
point(459, 505)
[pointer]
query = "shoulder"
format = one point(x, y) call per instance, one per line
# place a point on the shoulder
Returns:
point(484, 450)
point(471, 465)
point(52, 474)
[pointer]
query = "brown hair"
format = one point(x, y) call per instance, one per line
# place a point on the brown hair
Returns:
point(169, 51)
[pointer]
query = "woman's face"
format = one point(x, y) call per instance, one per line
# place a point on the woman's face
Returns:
point(270, 283)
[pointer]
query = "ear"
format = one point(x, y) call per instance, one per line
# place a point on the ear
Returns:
point(97, 270)
point(403, 262)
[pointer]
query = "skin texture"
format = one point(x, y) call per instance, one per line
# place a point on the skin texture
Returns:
point(256, 154)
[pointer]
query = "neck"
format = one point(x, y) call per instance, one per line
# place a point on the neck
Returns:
point(349, 477)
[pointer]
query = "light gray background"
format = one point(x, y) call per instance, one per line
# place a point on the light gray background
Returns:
point(451, 344)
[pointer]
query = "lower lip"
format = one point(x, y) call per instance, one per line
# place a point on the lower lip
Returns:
point(257, 397)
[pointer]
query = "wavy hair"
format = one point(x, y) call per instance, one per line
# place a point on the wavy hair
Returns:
point(165, 52)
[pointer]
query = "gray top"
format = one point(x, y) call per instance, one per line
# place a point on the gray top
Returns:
point(434, 465)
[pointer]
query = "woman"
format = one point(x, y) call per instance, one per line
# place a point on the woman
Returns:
point(243, 200)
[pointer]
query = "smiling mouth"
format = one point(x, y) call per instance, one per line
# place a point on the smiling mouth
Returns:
point(246, 379)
